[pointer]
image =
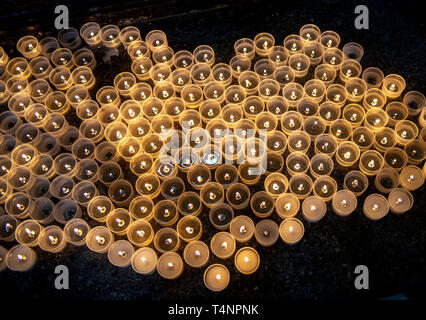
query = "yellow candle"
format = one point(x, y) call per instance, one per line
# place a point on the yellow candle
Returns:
point(247, 260)
point(216, 277)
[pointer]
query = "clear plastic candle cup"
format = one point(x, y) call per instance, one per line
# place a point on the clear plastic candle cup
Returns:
point(291, 230)
point(356, 182)
point(344, 202)
point(266, 232)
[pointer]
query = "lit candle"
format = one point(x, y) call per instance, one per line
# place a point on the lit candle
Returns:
point(242, 228)
point(313, 208)
point(223, 245)
point(20, 258)
point(170, 265)
point(266, 232)
point(375, 206)
point(120, 253)
point(247, 260)
point(196, 254)
point(287, 205)
point(344, 202)
point(216, 277)
point(144, 261)
point(400, 200)
point(291, 230)
point(411, 177)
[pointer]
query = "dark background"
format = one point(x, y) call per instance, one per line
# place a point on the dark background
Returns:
point(321, 266)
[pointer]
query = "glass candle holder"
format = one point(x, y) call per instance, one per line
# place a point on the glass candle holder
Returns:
point(141, 207)
point(152, 107)
point(393, 85)
point(196, 254)
point(283, 75)
point(299, 63)
point(411, 178)
point(165, 213)
point(395, 158)
point(386, 180)
point(287, 205)
point(400, 200)
point(356, 89)
point(242, 228)
point(354, 113)
point(347, 153)
point(34, 114)
point(313, 208)
point(333, 57)
point(99, 239)
point(336, 93)
point(363, 138)
point(356, 182)
point(204, 54)
point(144, 261)
point(140, 233)
point(325, 187)
point(20, 258)
point(266, 233)
point(385, 139)
point(29, 47)
point(223, 245)
point(214, 92)
point(65, 164)
point(276, 184)
point(310, 33)
point(321, 165)
point(293, 93)
point(141, 92)
point(8, 226)
point(17, 204)
point(75, 231)
point(238, 195)
point(297, 162)
point(349, 69)
point(170, 265)
point(254, 150)
point(264, 68)
point(325, 73)
point(18, 66)
point(128, 147)
point(166, 240)
point(141, 163)
point(252, 106)
point(291, 230)
point(415, 102)
point(307, 107)
point(341, 129)
point(189, 204)
point(245, 47)
point(99, 207)
point(299, 141)
point(65, 210)
point(375, 206)
point(396, 112)
point(52, 239)
point(61, 187)
point(62, 57)
point(28, 233)
point(344, 202)
point(406, 131)
point(120, 253)
point(189, 228)
point(23, 155)
point(268, 88)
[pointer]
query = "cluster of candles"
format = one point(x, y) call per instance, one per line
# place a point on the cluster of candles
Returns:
point(254, 136)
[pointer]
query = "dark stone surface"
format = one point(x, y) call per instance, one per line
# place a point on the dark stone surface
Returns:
point(322, 265)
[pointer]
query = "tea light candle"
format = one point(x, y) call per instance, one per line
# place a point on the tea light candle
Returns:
point(141, 91)
point(264, 42)
point(245, 47)
point(344, 202)
point(325, 73)
point(400, 200)
point(172, 188)
point(189, 228)
point(396, 111)
point(238, 195)
point(313, 208)
point(165, 213)
point(330, 39)
point(120, 253)
point(148, 185)
point(300, 64)
point(291, 230)
point(99, 239)
point(16, 204)
point(326, 144)
point(189, 203)
point(279, 55)
point(204, 54)
point(141, 163)
point(222, 73)
point(144, 261)
point(29, 47)
point(393, 85)
point(321, 165)
point(75, 231)
point(20, 258)
point(371, 162)
point(3, 253)
point(140, 233)
point(170, 265)
point(242, 228)
point(299, 141)
point(325, 187)
point(395, 158)
point(283, 75)
point(354, 114)
point(8, 226)
point(221, 216)
point(347, 153)
point(294, 44)
point(416, 151)
point(293, 93)
point(52, 239)
point(216, 277)
point(223, 245)
point(196, 254)
point(349, 69)
point(28, 233)
point(287, 205)
point(166, 239)
point(212, 194)
point(375, 119)
point(226, 175)
point(300, 185)
point(239, 64)
point(252, 106)
point(386, 180)
point(247, 260)
point(385, 139)
point(356, 182)
point(314, 126)
point(356, 89)
point(297, 162)
point(314, 51)
point(266, 233)
point(375, 206)
point(411, 177)
point(406, 131)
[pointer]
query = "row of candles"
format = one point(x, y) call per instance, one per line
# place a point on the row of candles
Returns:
point(264, 115)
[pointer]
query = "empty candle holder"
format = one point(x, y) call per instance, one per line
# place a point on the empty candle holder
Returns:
point(347, 153)
point(196, 254)
point(291, 230)
point(375, 206)
point(353, 50)
point(395, 158)
point(344, 202)
point(416, 151)
point(221, 216)
point(75, 231)
point(415, 102)
point(140, 233)
point(99, 239)
point(400, 200)
point(38, 187)
point(287, 205)
point(386, 180)
point(313, 208)
point(69, 38)
point(99, 207)
point(189, 228)
point(65, 210)
point(363, 137)
point(373, 77)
